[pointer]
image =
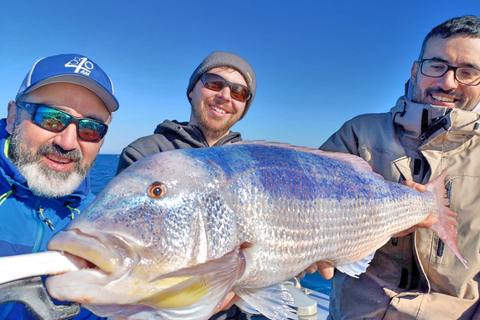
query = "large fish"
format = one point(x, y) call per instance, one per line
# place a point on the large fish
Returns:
point(171, 235)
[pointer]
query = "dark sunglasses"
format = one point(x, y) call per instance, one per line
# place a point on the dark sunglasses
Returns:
point(214, 82)
point(55, 120)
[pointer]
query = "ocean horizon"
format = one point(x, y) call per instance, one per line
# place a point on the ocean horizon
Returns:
point(103, 171)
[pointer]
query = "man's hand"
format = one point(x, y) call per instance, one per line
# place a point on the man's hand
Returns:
point(427, 223)
point(228, 302)
point(325, 268)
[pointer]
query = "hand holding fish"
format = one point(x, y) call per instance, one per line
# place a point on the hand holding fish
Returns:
point(228, 302)
point(326, 269)
point(428, 222)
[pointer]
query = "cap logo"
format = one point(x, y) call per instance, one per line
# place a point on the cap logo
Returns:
point(250, 77)
point(81, 65)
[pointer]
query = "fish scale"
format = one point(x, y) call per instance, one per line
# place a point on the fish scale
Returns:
point(244, 216)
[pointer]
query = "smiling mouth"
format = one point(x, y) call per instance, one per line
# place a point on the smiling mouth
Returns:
point(443, 99)
point(216, 109)
point(61, 160)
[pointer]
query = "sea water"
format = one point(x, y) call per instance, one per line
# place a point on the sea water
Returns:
point(104, 170)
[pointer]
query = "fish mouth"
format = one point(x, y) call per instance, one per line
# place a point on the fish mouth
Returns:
point(105, 255)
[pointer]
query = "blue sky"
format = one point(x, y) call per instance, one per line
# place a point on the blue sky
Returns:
point(318, 63)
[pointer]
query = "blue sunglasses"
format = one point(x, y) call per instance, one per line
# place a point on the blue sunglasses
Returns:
point(55, 120)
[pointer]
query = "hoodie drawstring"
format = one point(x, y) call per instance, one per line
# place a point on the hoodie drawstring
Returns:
point(73, 210)
point(4, 196)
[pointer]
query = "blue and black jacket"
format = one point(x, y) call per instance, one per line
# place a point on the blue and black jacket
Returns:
point(28, 222)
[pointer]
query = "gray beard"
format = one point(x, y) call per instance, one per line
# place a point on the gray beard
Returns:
point(42, 180)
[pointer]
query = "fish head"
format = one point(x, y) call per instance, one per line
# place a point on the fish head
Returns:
point(143, 234)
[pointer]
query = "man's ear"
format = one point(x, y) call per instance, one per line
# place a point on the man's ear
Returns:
point(12, 112)
point(413, 72)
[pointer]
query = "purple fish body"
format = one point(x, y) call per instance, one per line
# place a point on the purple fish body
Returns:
point(176, 231)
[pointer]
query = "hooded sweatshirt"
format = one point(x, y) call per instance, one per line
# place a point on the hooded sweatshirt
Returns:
point(169, 135)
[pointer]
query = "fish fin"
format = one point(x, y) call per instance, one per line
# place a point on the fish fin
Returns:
point(273, 302)
point(197, 291)
point(357, 267)
point(354, 160)
point(446, 227)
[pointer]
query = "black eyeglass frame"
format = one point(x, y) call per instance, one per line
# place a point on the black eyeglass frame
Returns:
point(449, 67)
point(227, 83)
point(32, 108)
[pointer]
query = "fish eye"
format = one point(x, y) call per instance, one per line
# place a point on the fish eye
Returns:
point(156, 190)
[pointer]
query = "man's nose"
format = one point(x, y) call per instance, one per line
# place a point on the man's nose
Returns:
point(448, 81)
point(225, 93)
point(67, 139)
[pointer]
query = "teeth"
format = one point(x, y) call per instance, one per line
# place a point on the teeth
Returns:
point(218, 109)
point(443, 99)
point(59, 159)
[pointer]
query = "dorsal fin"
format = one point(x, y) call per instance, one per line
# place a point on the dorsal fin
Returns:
point(350, 158)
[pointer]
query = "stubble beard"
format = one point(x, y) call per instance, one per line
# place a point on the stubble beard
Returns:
point(42, 180)
point(215, 127)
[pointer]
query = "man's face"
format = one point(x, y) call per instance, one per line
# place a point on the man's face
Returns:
point(216, 111)
point(55, 163)
point(446, 90)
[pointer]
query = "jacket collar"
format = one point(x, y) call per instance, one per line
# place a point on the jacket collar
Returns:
point(425, 121)
point(425, 128)
point(192, 134)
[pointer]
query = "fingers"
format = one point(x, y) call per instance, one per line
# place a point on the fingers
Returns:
point(229, 301)
point(427, 223)
point(417, 186)
point(326, 269)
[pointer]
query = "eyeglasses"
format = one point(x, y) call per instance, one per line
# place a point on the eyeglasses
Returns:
point(55, 120)
point(436, 69)
point(214, 82)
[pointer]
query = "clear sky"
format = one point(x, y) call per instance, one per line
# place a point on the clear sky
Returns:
point(318, 63)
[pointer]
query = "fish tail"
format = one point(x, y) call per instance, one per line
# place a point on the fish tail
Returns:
point(446, 227)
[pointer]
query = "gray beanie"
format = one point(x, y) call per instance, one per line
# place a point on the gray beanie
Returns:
point(226, 59)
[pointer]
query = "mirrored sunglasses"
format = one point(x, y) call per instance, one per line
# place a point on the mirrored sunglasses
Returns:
point(55, 120)
point(215, 82)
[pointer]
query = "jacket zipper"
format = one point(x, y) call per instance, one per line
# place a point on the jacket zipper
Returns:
point(41, 219)
point(441, 245)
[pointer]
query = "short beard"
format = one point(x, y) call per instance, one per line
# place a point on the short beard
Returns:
point(42, 180)
point(216, 128)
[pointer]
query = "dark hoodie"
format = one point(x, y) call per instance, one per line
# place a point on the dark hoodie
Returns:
point(169, 135)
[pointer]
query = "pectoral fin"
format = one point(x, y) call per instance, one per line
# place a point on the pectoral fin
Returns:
point(195, 292)
point(273, 302)
point(356, 268)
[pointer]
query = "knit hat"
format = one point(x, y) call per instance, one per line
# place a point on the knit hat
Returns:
point(71, 68)
point(226, 59)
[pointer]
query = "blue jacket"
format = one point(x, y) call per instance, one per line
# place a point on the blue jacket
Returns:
point(27, 222)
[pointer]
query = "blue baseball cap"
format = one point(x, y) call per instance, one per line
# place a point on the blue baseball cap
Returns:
point(71, 68)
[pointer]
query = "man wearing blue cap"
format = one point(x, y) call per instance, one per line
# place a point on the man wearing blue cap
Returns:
point(51, 138)
point(220, 92)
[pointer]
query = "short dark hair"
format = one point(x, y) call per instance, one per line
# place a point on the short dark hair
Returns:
point(465, 25)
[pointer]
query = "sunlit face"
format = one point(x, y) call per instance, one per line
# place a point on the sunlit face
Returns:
point(55, 163)
point(215, 112)
point(447, 91)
